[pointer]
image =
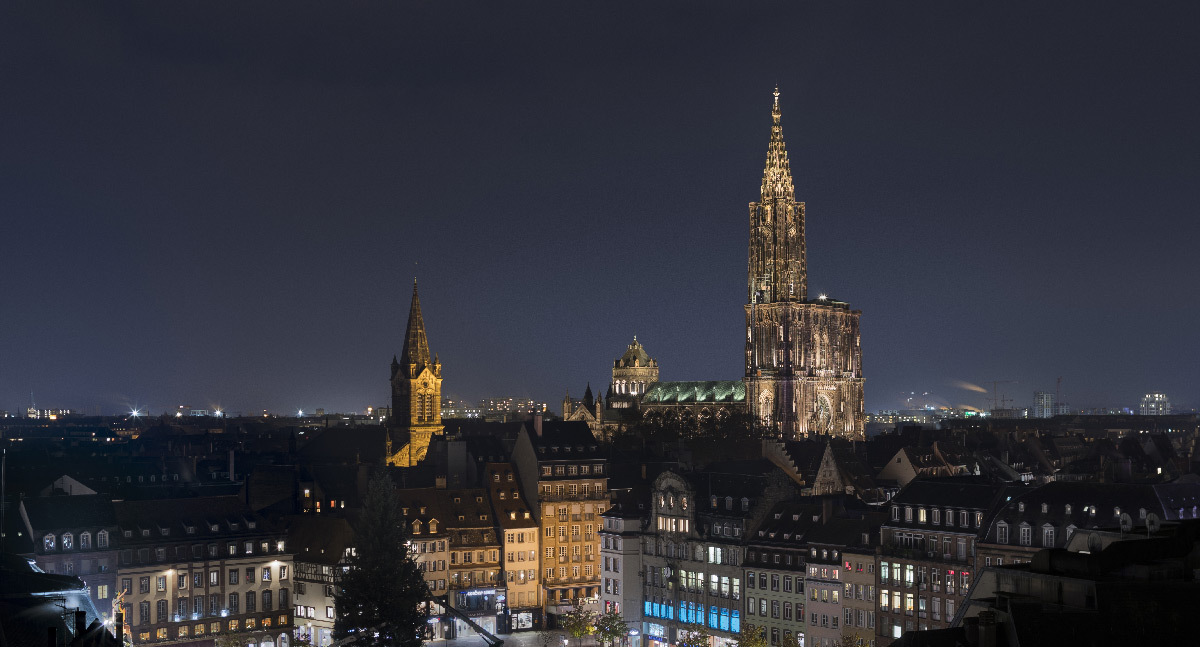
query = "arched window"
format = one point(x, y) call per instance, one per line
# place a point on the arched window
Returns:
point(416, 527)
point(102, 539)
point(85, 541)
point(48, 542)
point(68, 541)
point(433, 525)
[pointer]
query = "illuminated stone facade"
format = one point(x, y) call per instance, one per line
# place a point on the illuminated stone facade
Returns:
point(416, 393)
point(803, 357)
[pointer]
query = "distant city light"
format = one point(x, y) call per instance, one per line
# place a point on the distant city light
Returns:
point(135, 413)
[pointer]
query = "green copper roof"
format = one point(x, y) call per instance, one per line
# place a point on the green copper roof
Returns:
point(717, 391)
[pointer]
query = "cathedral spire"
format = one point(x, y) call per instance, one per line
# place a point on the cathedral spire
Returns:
point(416, 346)
point(777, 173)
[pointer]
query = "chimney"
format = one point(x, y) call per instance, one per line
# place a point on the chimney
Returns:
point(80, 626)
point(537, 423)
point(987, 628)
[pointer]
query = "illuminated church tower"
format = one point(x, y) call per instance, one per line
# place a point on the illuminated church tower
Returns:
point(803, 357)
point(416, 393)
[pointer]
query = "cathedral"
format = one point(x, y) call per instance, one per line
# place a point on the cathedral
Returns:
point(416, 394)
point(803, 356)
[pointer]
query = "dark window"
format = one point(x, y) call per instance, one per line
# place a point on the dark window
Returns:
point(143, 613)
point(161, 609)
point(144, 585)
point(266, 600)
point(283, 598)
point(198, 605)
point(233, 603)
point(251, 602)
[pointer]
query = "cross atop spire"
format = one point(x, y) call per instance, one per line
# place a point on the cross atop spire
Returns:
point(416, 346)
point(777, 174)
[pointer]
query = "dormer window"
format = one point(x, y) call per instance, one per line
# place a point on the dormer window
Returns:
point(422, 510)
point(68, 541)
point(1021, 506)
point(745, 504)
point(1117, 511)
point(416, 525)
point(433, 525)
point(1045, 508)
point(728, 503)
point(252, 524)
point(1068, 508)
point(48, 542)
point(85, 541)
point(102, 539)
point(212, 527)
point(165, 531)
point(191, 530)
point(145, 532)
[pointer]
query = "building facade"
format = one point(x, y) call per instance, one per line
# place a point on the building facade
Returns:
point(563, 464)
point(76, 535)
point(321, 545)
point(927, 553)
point(194, 568)
point(803, 356)
point(519, 536)
point(416, 393)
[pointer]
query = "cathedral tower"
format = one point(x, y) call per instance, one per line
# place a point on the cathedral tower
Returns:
point(803, 357)
point(416, 392)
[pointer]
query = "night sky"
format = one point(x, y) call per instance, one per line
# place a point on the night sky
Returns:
point(226, 205)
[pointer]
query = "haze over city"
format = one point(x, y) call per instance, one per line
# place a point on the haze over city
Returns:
point(228, 210)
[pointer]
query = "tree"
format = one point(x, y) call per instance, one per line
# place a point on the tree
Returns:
point(378, 595)
point(698, 637)
point(752, 636)
point(578, 622)
point(610, 628)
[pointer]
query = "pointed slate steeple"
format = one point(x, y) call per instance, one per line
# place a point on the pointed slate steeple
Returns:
point(415, 352)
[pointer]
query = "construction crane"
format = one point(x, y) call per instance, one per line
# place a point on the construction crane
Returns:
point(999, 401)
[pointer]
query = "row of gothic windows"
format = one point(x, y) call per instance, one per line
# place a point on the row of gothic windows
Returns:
point(425, 412)
point(50, 541)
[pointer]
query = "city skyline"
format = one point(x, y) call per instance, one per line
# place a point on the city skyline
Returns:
point(219, 214)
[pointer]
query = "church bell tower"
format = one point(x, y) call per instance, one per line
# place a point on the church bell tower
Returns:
point(803, 356)
point(416, 392)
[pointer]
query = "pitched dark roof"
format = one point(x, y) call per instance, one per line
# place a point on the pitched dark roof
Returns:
point(416, 346)
point(318, 539)
point(950, 492)
point(49, 514)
